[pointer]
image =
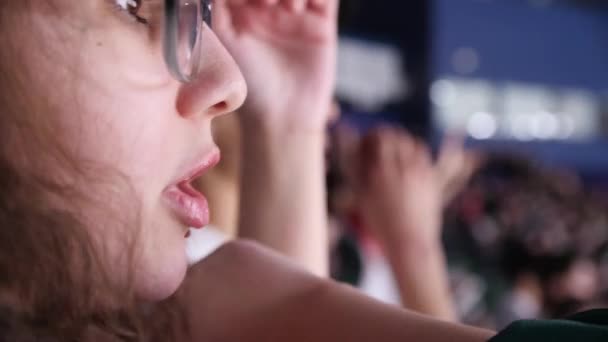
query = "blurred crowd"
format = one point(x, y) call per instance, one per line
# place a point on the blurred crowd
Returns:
point(521, 239)
point(527, 242)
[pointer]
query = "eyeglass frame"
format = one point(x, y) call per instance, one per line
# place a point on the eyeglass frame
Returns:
point(171, 38)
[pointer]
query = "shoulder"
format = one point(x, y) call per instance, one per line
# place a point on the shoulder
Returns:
point(246, 263)
point(246, 284)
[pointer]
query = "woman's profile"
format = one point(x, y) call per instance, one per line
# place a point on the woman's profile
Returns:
point(105, 123)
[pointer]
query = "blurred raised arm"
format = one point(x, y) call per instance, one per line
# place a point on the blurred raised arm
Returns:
point(401, 201)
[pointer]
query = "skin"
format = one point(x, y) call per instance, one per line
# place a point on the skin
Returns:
point(391, 181)
point(282, 153)
point(122, 109)
point(293, 43)
point(134, 117)
point(279, 301)
point(401, 202)
point(287, 51)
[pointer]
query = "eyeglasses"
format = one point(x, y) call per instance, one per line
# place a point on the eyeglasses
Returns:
point(184, 27)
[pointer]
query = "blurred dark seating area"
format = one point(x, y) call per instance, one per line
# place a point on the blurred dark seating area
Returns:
point(527, 241)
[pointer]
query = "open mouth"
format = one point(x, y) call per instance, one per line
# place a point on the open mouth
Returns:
point(188, 204)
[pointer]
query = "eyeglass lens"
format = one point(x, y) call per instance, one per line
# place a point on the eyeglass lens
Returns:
point(189, 23)
point(185, 20)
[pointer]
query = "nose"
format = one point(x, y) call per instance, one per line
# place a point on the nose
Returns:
point(218, 89)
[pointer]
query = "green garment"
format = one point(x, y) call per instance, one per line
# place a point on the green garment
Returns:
point(590, 326)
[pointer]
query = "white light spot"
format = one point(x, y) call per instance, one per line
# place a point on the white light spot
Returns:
point(544, 126)
point(520, 127)
point(443, 93)
point(370, 75)
point(482, 126)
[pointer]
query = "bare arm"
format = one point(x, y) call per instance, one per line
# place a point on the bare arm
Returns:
point(283, 194)
point(246, 293)
point(402, 205)
point(422, 276)
point(286, 50)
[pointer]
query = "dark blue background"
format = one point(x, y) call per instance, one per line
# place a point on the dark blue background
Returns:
point(557, 46)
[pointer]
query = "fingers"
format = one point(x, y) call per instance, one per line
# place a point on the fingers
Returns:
point(296, 6)
point(409, 151)
point(221, 16)
point(453, 160)
point(455, 167)
point(334, 112)
point(392, 152)
point(400, 147)
point(375, 147)
point(327, 7)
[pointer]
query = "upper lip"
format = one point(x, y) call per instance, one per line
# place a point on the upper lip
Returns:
point(200, 167)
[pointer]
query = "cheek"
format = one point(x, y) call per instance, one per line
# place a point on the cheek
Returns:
point(115, 112)
point(134, 134)
point(129, 56)
point(131, 98)
point(143, 144)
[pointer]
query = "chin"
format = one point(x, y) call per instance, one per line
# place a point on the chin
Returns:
point(160, 277)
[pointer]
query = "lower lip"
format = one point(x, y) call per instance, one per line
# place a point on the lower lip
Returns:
point(188, 205)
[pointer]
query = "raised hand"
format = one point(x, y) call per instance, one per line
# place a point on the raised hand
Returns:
point(286, 50)
point(402, 204)
point(401, 194)
point(455, 167)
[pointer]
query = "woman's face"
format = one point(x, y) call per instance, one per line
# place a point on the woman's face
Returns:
point(117, 106)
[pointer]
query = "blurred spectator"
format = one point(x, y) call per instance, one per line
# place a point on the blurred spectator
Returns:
point(522, 241)
point(387, 191)
point(535, 238)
